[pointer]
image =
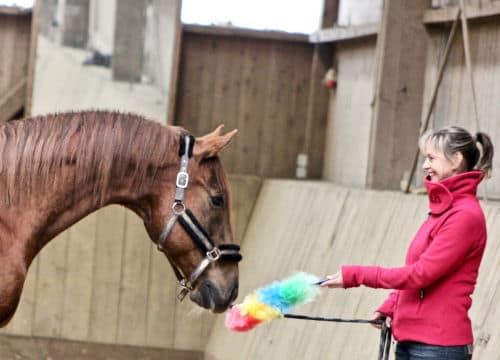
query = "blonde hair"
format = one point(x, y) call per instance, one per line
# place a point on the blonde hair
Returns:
point(477, 151)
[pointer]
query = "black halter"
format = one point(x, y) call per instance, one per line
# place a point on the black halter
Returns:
point(192, 226)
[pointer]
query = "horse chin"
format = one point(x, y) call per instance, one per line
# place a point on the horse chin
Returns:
point(211, 297)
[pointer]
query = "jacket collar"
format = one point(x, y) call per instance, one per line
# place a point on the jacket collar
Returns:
point(441, 194)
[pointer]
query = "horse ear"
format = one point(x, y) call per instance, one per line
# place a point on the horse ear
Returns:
point(211, 144)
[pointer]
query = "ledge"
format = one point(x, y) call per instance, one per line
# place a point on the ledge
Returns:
point(14, 10)
point(244, 32)
point(448, 14)
point(341, 33)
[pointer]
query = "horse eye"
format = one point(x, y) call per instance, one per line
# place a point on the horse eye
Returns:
point(217, 201)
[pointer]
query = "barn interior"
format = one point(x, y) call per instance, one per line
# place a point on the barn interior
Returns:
point(325, 169)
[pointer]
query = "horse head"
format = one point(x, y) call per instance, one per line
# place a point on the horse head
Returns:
point(192, 222)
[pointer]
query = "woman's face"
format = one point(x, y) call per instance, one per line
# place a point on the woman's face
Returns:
point(437, 167)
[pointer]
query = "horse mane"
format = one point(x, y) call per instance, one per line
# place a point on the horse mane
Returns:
point(102, 145)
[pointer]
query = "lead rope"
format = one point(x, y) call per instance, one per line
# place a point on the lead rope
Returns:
point(385, 332)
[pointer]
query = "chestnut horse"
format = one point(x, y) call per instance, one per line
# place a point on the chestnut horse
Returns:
point(56, 169)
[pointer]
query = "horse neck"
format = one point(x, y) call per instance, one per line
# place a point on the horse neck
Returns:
point(87, 197)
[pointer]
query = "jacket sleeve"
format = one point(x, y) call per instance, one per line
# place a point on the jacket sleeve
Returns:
point(457, 235)
point(387, 308)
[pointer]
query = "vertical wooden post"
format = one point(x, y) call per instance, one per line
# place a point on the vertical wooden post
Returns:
point(76, 23)
point(317, 111)
point(129, 40)
point(35, 25)
point(175, 66)
point(402, 46)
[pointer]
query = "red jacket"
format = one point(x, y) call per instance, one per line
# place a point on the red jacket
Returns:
point(432, 296)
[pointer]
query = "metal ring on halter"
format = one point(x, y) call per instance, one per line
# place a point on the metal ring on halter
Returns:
point(214, 254)
point(175, 208)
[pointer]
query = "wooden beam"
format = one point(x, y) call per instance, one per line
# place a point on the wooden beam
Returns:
point(341, 33)
point(33, 347)
point(128, 51)
point(35, 24)
point(319, 96)
point(402, 47)
point(243, 32)
point(447, 14)
point(174, 77)
point(13, 100)
point(330, 13)
point(12, 10)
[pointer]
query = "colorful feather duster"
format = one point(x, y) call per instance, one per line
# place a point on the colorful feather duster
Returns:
point(271, 302)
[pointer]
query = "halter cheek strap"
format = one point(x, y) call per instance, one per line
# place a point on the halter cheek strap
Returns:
point(192, 226)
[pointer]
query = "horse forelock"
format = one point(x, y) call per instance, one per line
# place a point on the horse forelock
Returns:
point(102, 146)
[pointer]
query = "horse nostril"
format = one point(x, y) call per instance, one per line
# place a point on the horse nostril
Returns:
point(234, 294)
point(207, 292)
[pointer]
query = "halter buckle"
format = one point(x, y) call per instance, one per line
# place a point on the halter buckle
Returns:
point(186, 287)
point(182, 180)
point(214, 254)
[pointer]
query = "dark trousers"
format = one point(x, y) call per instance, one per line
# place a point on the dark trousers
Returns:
point(409, 350)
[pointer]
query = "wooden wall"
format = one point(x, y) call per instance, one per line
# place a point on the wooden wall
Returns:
point(454, 103)
point(317, 227)
point(350, 116)
point(15, 30)
point(257, 84)
point(103, 281)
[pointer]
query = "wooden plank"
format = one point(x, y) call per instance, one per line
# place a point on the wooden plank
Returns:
point(190, 78)
point(244, 193)
point(50, 285)
point(13, 101)
point(129, 38)
point(398, 92)
point(174, 77)
point(342, 33)
point(350, 116)
point(317, 108)
point(252, 107)
point(16, 347)
point(243, 32)
point(454, 100)
point(35, 26)
point(447, 14)
point(110, 235)
point(76, 23)
point(330, 13)
point(162, 303)
point(79, 279)
point(134, 283)
point(256, 85)
point(302, 120)
point(226, 89)
point(13, 10)
point(22, 322)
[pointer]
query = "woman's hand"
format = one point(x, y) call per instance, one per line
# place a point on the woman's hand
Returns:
point(380, 316)
point(334, 281)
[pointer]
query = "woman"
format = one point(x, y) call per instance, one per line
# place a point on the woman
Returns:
point(428, 308)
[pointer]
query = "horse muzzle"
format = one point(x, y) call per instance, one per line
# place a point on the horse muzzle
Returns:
point(213, 297)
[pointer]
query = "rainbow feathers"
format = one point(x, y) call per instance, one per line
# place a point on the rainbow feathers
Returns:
point(271, 302)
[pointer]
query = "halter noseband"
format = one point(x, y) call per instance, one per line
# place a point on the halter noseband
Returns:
point(192, 226)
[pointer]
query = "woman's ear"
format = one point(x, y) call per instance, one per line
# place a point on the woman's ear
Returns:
point(458, 161)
